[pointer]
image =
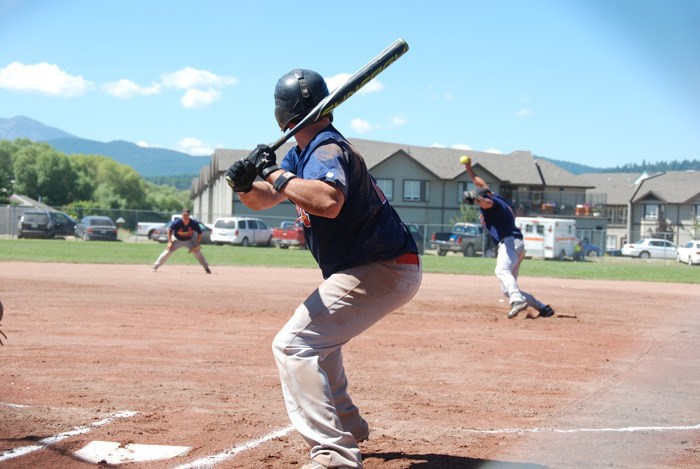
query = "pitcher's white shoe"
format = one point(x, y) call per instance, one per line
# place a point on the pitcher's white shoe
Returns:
point(515, 308)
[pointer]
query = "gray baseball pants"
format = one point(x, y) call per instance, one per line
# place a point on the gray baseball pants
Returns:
point(178, 244)
point(309, 357)
point(511, 252)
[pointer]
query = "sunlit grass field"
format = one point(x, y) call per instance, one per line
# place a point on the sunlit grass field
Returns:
point(145, 252)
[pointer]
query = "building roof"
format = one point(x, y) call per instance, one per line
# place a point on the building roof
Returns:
point(619, 187)
point(673, 187)
point(516, 168)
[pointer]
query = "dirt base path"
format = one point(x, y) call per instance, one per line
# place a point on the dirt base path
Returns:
point(446, 382)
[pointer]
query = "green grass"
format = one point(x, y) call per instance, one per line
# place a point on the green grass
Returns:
point(145, 252)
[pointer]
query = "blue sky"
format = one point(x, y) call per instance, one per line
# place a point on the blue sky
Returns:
point(598, 82)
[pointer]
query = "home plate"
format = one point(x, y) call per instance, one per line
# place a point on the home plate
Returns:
point(114, 453)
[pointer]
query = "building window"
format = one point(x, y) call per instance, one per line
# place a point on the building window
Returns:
point(386, 186)
point(697, 211)
point(651, 211)
point(616, 214)
point(416, 191)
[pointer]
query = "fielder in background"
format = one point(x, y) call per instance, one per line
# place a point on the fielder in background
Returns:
point(367, 256)
point(187, 234)
point(499, 221)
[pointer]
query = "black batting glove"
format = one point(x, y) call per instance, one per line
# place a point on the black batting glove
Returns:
point(264, 160)
point(241, 175)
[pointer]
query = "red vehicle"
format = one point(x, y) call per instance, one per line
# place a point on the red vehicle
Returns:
point(289, 233)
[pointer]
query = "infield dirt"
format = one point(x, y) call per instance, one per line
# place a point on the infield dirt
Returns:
point(612, 380)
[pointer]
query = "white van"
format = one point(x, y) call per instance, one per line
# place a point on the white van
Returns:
point(242, 231)
point(550, 238)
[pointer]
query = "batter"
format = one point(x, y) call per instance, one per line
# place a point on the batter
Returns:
point(368, 258)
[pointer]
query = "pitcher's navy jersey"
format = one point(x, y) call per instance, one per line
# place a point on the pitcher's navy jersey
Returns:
point(499, 220)
point(368, 228)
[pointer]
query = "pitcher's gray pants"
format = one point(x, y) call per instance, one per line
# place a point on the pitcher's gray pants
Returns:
point(511, 252)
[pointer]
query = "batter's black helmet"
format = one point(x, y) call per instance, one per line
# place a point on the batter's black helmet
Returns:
point(296, 93)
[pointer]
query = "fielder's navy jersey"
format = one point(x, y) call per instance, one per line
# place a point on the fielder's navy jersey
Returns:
point(499, 220)
point(367, 229)
point(184, 232)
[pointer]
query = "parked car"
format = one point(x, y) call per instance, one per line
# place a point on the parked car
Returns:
point(650, 247)
point(591, 250)
point(242, 231)
point(63, 224)
point(289, 233)
point(40, 223)
point(161, 234)
point(689, 252)
point(35, 223)
point(417, 237)
point(96, 227)
point(467, 238)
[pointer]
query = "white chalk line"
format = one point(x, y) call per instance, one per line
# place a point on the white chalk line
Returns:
point(585, 430)
point(210, 461)
point(9, 404)
point(52, 440)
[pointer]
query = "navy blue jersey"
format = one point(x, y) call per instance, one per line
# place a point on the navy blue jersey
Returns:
point(185, 232)
point(499, 220)
point(367, 229)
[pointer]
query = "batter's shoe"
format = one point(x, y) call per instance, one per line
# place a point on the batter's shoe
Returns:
point(154, 269)
point(515, 308)
point(206, 269)
point(546, 312)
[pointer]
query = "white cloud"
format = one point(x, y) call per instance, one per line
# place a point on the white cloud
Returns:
point(43, 78)
point(203, 87)
point(494, 150)
point(448, 96)
point(143, 144)
point(188, 77)
point(437, 145)
point(461, 146)
point(195, 147)
point(360, 126)
point(126, 89)
point(194, 99)
point(524, 112)
point(337, 80)
point(398, 121)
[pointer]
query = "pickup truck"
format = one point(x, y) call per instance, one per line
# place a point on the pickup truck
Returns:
point(289, 233)
point(467, 238)
point(146, 228)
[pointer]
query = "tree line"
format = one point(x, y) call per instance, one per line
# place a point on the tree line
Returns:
point(41, 172)
point(661, 166)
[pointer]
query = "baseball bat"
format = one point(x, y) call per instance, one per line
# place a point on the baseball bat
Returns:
point(341, 94)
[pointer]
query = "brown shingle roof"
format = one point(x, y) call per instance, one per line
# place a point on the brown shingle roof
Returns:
point(673, 187)
point(619, 187)
point(515, 168)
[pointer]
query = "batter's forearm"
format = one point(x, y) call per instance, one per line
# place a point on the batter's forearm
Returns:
point(261, 197)
point(313, 196)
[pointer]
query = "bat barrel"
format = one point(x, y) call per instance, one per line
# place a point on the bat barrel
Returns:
point(339, 95)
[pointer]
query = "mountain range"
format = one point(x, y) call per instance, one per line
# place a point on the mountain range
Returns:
point(147, 161)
